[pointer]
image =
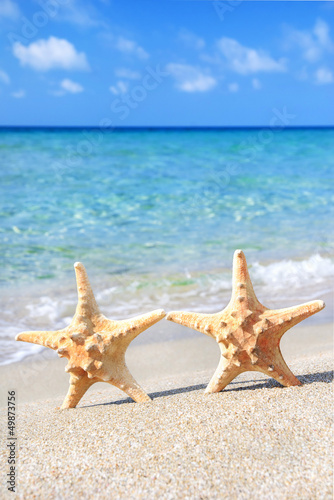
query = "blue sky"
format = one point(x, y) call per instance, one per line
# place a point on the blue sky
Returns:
point(166, 62)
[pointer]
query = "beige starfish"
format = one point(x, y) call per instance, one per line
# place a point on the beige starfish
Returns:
point(247, 333)
point(94, 345)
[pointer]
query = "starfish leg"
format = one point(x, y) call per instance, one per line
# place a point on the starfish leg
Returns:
point(224, 374)
point(86, 300)
point(134, 326)
point(291, 316)
point(125, 381)
point(145, 321)
point(79, 385)
point(278, 370)
point(241, 282)
point(45, 338)
point(240, 272)
point(197, 321)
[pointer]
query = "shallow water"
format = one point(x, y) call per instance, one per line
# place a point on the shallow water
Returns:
point(156, 215)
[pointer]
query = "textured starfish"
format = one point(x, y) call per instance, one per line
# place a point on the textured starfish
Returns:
point(94, 345)
point(247, 333)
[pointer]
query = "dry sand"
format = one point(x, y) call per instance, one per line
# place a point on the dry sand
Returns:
point(253, 440)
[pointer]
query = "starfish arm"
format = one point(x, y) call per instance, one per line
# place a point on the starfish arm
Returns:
point(128, 329)
point(224, 374)
point(278, 369)
point(291, 316)
point(45, 338)
point(125, 381)
point(79, 385)
point(241, 283)
point(196, 321)
point(87, 306)
point(134, 326)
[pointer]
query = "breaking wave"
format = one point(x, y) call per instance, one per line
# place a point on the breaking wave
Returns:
point(277, 284)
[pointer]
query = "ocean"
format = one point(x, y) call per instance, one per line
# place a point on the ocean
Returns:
point(155, 216)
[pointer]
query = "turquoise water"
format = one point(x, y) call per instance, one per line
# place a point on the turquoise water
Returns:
point(158, 214)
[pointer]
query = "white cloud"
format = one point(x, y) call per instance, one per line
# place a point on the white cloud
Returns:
point(119, 88)
point(44, 55)
point(321, 31)
point(190, 79)
point(257, 85)
point(67, 86)
point(9, 9)
point(127, 73)
point(323, 76)
point(4, 78)
point(313, 43)
point(19, 94)
point(131, 47)
point(70, 86)
point(82, 13)
point(233, 87)
point(245, 60)
point(191, 40)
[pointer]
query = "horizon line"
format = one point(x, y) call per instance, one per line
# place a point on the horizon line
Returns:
point(165, 127)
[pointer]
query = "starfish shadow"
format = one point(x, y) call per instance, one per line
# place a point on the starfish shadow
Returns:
point(153, 395)
point(310, 378)
point(161, 394)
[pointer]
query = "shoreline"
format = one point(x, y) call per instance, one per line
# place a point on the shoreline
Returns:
point(55, 312)
point(43, 375)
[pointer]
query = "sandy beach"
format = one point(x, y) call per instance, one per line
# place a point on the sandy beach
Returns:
point(253, 439)
point(166, 159)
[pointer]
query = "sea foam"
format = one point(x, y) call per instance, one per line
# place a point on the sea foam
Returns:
point(277, 284)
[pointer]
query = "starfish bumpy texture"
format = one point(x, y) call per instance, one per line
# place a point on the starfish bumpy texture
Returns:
point(94, 345)
point(247, 333)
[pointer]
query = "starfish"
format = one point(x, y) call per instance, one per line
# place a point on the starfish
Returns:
point(247, 333)
point(94, 345)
